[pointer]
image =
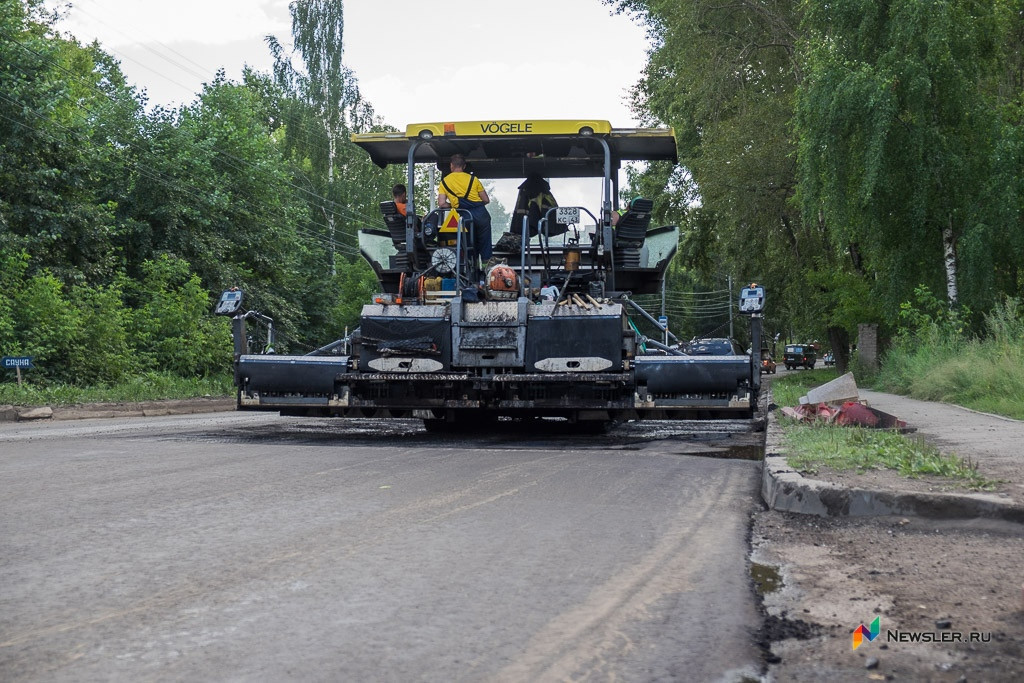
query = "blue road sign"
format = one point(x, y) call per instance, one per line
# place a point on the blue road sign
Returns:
point(12, 362)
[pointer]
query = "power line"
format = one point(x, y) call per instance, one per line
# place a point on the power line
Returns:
point(168, 182)
point(195, 73)
point(204, 69)
point(338, 209)
point(238, 166)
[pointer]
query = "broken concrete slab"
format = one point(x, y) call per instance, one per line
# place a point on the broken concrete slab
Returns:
point(840, 390)
point(808, 412)
point(862, 415)
point(849, 414)
point(43, 413)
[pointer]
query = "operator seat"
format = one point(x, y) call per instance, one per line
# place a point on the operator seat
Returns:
point(396, 226)
point(395, 222)
point(631, 231)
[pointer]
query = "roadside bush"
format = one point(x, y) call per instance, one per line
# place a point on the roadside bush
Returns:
point(931, 320)
point(998, 367)
point(89, 336)
point(930, 333)
point(934, 358)
point(12, 272)
point(865, 373)
point(102, 353)
point(1005, 322)
point(46, 325)
point(173, 328)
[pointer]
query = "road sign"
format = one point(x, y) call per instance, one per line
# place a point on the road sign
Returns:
point(752, 299)
point(13, 362)
point(663, 320)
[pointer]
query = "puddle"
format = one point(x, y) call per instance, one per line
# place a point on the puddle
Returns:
point(766, 578)
point(734, 453)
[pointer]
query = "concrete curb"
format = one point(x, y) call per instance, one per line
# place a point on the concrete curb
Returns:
point(108, 410)
point(785, 489)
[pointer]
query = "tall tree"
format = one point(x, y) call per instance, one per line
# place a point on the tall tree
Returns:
point(62, 110)
point(1001, 243)
point(725, 76)
point(325, 108)
point(321, 107)
point(212, 187)
point(897, 128)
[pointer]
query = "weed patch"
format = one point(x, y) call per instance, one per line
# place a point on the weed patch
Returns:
point(940, 363)
point(787, 389)
point(814, 446)
point(151, 386)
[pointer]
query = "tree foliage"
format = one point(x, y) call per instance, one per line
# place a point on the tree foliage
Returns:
point(322, 108)
point(842, 154)
point(119, 225)
point(724, 76)
point(898, 129)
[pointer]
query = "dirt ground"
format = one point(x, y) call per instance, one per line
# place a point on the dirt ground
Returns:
point(822, 578)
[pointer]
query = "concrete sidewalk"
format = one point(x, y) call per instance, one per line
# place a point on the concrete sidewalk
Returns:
point(995, 444)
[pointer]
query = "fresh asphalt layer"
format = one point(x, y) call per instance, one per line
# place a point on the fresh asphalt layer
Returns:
point(991, 441)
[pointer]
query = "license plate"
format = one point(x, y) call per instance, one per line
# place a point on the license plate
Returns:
point(570, 215)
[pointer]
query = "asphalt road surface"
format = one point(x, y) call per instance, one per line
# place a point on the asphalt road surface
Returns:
point(255, 547)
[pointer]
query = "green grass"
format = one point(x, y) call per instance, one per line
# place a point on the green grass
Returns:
point(787, 389)
point(811, 447)
point(942, 364)
point(149, 387)
point(981, 375)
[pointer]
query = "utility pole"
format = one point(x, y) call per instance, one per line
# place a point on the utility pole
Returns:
point(730, 306)
point(664, 277)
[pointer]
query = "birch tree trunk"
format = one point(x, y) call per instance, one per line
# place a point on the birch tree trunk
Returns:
point(330, 194)
point(949, 249)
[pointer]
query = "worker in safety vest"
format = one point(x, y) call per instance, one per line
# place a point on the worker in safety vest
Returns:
point(401, 197)
point(461, 190)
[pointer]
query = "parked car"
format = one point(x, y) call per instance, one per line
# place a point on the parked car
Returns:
point(799, 355)
point(828, 359)
point(768, 364)
point(714, 347)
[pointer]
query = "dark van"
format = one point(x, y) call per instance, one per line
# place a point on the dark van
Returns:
point(799, 355)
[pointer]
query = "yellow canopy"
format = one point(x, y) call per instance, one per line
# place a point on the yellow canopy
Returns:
point(514, 148)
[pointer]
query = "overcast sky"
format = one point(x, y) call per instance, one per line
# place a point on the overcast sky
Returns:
point(533, 59)
point(522, 59)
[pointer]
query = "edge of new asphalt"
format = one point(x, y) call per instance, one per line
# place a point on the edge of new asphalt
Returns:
point(782, 487)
